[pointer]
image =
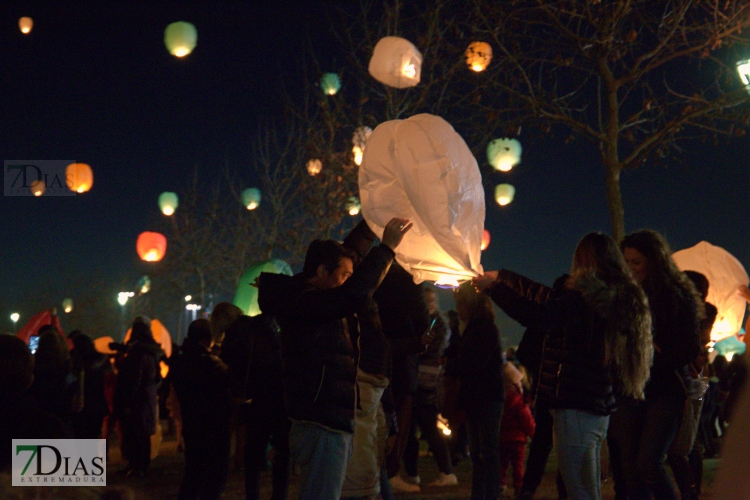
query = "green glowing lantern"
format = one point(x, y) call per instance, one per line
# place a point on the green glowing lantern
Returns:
point(330, 83)
point(67, 305)
point(504, 154)
point(504, 194)
point(246, 297)
point(168, 202)
point(251, 198)
point(180, 38)
point(353, 206)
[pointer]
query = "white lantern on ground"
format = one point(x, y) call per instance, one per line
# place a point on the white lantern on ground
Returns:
point(504, 194)
point(504, 154)
point(422, 170)
point(396, 62)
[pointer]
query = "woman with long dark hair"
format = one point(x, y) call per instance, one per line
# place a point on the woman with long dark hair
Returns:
point(598, 336)
point(642, 431)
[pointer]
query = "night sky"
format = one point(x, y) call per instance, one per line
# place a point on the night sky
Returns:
point(93, 82)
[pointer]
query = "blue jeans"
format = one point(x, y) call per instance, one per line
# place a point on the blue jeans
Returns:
point(322, 456)
point(578, 443)
point(483, 426)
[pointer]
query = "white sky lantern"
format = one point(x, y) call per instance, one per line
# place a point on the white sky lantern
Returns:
point(743, 68)
point(353, 206)
point(396, 62)
point(504, 194)
point(25, 24)
point(180, 38)
point(251, 198)
point(478, 56)
point(314, 167)
point(358, 143)
point(504, 154)
point(725, 275)
point(422, 170)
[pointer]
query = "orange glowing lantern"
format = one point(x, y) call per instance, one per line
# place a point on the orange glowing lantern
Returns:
point(478, 56)
point(25, 24)
point(38, 188)
point(151, 246)
point(79, 177)
point(485, 240)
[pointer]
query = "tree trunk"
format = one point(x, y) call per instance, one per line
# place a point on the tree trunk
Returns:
point(614, 202)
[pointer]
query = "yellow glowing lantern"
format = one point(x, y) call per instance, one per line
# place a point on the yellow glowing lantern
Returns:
point(353, 206)
point(251, 198)
point(67, 305)
point(743, 68)
point(79, 177)
point(25, 24)
point(504, 154)
point(485, 240)
point(38, 188)
point(478, 56)
point(180, 38)
point(359, 140)
point(504, 194)
point(314, 167)
point(396, 62)
point(151, 246)
point(168, 202)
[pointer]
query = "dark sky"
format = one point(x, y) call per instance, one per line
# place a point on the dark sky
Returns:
point(93, 82)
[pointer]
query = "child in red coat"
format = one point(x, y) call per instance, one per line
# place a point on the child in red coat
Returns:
point(516, 426)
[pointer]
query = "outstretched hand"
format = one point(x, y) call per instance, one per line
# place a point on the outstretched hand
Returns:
point(481, 283)
point(394, 232)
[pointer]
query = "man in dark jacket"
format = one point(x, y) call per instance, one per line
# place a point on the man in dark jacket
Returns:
point(203, 390)
point(312, 309)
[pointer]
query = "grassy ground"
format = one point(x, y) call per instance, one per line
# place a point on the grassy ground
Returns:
point(166, 473)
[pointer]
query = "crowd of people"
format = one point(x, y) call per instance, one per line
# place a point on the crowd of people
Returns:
point(351, 364)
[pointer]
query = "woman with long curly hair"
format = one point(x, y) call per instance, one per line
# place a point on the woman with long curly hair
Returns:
point(642, 431)
point(597, 340)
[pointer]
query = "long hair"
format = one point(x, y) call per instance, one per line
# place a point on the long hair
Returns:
point(52, 355)
point(479, 305)
point(663, 274)
point(600, 272)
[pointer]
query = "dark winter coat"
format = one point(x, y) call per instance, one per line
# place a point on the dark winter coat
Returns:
point(319, 368)
point(575, 373)
point(430, 364)
point(203, 389)
point(480, 364)
point(517, 423)
point(137, 381)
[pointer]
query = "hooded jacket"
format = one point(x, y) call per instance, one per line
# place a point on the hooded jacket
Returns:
point(319, 368)
point(575, 372)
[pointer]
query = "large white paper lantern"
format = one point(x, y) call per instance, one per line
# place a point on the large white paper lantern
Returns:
point(725, 275)
point(396, 62)
point(422, 170)
point(504, 154)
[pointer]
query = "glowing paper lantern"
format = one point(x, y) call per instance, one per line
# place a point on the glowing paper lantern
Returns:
point(504, 154)
point(725, 275)
point(67, 305)
point(251, 198)
point(478, 56)
point(353, 206)
point(25, 24)
point(504, 194)
point(151, 246)
point(180, 38)
point(144, 285)
point(422, 170)
point(330, 83)
point(102, 345)
point(38, 188)
point(485, 240)
point(168, 202)
point(314, 167)
point(358, 141)
point(743, 68)
point(396, 62)
point(79, 177)
point(246, 296)
point(730, 346)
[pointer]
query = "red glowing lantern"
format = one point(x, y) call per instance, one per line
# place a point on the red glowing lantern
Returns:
point(485, 240)
point(151, 247)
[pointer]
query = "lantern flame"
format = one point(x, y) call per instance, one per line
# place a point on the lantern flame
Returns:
point(442, 424)
point(168, 211)
point(477, 68)
point(409, 70)
point(151, 256)
point(447, 281)
point(503, 200)
point(252, 205)
point(354, 211)
point(358, 153)
point(181, 51)
point(331, 92)
point(68, 309)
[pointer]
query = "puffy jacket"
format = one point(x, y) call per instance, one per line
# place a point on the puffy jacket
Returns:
point(318, 356)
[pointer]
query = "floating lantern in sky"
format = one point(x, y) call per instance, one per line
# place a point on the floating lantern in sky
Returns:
point(144, 285)
point(725, 275)
point(396, 62)
point(353, 206)
point(478, 56)
point(743, 68)
point(180, 38)
point(314, 167)
point(504, 194)
point(38, 188)
point(251, 198)
point(246, 296)
point(168, 202)
point(151, 246)
point(67, 305)
point(422, 170)
point(485, 240)
point(25, 24)
point(79, 177)
point(330, 83)
point(504, 154)
point(358, 143)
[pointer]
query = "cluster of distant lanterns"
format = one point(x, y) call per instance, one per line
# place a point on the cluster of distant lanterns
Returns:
point(78, 177)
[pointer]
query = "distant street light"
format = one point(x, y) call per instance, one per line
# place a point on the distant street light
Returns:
point(193, 307)
point(14, 318)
